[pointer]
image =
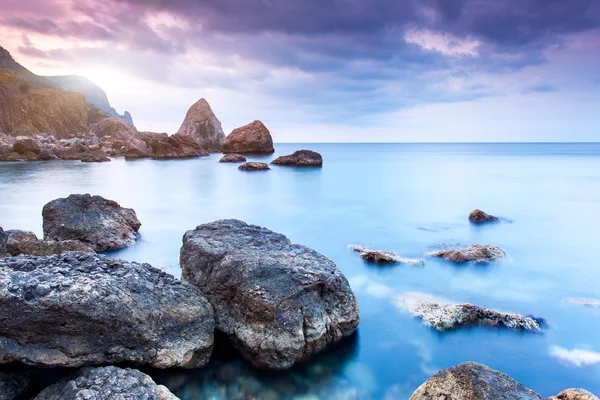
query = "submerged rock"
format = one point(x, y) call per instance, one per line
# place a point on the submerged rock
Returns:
point(478, 253)
point(477, 217)
point(80, 309)
point(574, 394)
point(106, 383)
point(100, 223)
point(202, 125)
point(472, 381)
point(232, 158)
point(12, 385)
point(382, 256)
point(444, 316)
point(278, 302)
point(254, 166)
point(251, 138)
point(300, 158)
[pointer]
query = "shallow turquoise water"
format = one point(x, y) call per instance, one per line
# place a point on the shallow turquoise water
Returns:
point(407, 198)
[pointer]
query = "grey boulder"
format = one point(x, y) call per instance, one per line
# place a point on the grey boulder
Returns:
point(472, 381)
point(80, 309)
point(300, 158)
point(25, 242)
point(99, 223)
point(254, 166)
point(278, 302)
point(477, 253)
point(106, 383)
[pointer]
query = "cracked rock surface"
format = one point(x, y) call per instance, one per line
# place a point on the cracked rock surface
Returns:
point(278, 302)
point(80, 309)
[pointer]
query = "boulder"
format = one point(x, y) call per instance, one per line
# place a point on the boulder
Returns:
point(202, 125)
point(232, 158)
point(300, 158)
point(574, 394)
point(472, 381)
point(97, 222)
point(135, 148)
point(477, 253)
point(25, 144)
point(254, 166)
point(478, 217)
point(175, 146)
point(12, 385)
point(79, 309)
point(382, 256)
point(443, 315)
point(3, 237)
point(15, 236)
point(106, 383)
point(46, 247)
point(30, 156)
point(94, 157)
point(278, 302)
point(251, 138)
point(113, 129)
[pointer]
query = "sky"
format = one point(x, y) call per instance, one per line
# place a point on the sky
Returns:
point(331, 70)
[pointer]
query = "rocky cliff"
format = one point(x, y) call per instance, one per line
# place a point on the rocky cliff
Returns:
point(202, 125)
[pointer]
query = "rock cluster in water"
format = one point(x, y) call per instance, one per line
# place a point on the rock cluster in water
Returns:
point(300, 158)
point(477, 253)
point(443, 316)
point(254, 166)
point(86, 309)
point(382, 256)
point(106, 383)
point(93, 220)
point(252, 138)
point(478, 217)
point(278, 302)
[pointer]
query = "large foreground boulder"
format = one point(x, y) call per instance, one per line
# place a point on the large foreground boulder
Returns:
point(251, 138)
point(479, 217)
point(106, 383)
point(85, 309)
point(300, 158)
point(444, 315)
point(99, 223)
point(202, 125)
point(472, 381)
point(477, 253)
point(278, 302)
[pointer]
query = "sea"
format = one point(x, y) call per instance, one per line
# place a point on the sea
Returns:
point(406, 198)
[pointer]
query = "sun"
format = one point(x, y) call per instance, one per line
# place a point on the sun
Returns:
point(104, 77)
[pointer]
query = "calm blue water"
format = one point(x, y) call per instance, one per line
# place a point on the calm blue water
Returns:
point(407, 198)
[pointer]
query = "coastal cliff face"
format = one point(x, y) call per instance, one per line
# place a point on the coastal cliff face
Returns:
point(27, 111)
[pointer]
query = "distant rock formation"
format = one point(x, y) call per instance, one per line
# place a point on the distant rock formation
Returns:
point(300, 158)
point(201, 124)
point(479, 217)
point(252, 138)
point(477, 253)
point(254, 166)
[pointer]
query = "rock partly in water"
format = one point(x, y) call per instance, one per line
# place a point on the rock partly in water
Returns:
point(80, 309)
point(99, 223)
point(472, 381)
point(574, 394)
point(278, 302)
point(94, 157)
point(106, 383)
point(233, 158)
point(382, 256)
point(477, 253)
point(12, 385)
point(443, 315)
point(478, 217)
point(300, 158)
point(254, 166)
point(202, 125)
point(174, 146)
point(251, 138)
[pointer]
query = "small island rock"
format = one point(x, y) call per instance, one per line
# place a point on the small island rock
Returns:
point(382, 256)
point(300, 158)
point(472, 381)
point(478, 217)
point(254, 166)
point(202, 125)
point(80, 309)
point(278, 302)
point(477, 253)
point(97, 222)
point(232, 158)
point(106, 383)
point(251, 138)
